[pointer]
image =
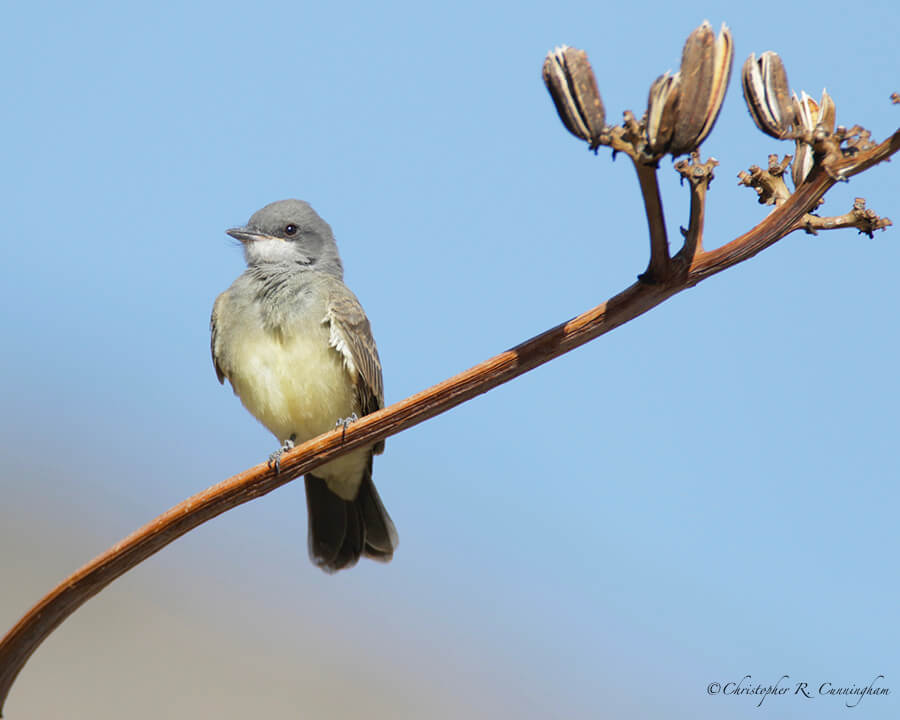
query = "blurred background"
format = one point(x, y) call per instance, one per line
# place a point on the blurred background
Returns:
point(706, 493)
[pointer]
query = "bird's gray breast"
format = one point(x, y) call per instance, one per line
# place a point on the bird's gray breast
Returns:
point(284, 299)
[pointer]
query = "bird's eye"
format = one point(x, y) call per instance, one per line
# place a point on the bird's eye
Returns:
point(290, 229)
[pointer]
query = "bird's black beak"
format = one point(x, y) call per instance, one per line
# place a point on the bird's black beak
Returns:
point(245, 234)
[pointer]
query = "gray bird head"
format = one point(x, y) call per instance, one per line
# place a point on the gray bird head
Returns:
point(289, 232)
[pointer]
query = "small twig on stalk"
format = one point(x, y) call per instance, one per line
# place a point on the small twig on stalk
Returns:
point(769, 184)
point(866, 221)
point(699, 175)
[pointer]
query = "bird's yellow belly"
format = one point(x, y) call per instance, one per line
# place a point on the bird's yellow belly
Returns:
point(298, 388)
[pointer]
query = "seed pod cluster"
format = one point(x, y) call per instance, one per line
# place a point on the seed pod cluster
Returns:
point(682, 108)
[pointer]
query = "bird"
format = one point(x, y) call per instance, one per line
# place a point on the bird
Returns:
point(297, 348)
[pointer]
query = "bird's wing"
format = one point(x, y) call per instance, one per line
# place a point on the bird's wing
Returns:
point(351, 336)
point(213, 336)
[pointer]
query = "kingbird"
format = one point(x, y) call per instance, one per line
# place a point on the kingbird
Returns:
point(298, 350)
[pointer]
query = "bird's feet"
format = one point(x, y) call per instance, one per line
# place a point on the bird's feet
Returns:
point(345, 422)
point(275, 457)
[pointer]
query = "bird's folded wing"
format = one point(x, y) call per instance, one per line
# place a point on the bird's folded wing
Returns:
point(213, 336)
point(351, 336)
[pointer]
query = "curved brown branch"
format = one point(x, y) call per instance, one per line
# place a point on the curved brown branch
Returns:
point(658, 269)
point(24, 638)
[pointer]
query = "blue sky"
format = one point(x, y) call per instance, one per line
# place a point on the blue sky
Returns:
point(707, 492)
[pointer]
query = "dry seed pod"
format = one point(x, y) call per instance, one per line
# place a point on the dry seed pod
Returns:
point(696, 83)
point(767, 94)
point(809, 115)
point(778, 92)
point(802, 164)
point(683, 108)
point(724, 59)
point(827, 112)
point(570, 80)
point(662, 109)
point(806, 112)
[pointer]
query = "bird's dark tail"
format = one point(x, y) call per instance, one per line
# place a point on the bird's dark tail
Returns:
point(342, 530)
